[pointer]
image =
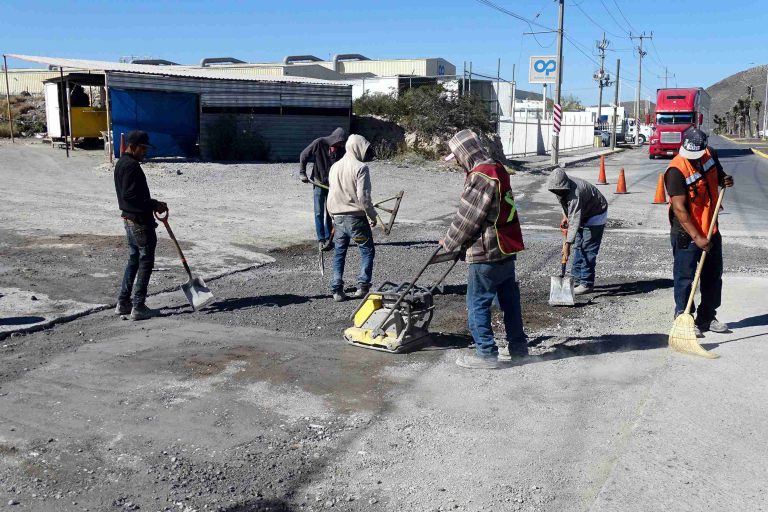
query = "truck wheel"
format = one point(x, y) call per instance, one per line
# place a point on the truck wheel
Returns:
point(642, 139)
point(652, 157)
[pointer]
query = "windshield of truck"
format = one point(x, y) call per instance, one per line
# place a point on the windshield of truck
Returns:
point(675, 118)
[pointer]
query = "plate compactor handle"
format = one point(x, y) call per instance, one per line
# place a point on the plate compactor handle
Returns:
point(434, 258)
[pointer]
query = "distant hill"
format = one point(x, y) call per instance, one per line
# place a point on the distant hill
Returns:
point(725, 92)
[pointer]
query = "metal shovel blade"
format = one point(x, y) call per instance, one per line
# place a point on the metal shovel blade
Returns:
point(198, 294)
point(561, 291)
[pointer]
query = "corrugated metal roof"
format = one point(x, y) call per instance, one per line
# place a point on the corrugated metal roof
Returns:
point(27, 80)
point(179, 71)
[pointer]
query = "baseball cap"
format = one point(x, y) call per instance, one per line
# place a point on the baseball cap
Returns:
point(139, 138)
point(694, 143)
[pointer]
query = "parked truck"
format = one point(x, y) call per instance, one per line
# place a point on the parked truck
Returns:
point(676, 111)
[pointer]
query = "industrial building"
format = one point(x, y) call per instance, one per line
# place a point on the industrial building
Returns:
point(184, 109)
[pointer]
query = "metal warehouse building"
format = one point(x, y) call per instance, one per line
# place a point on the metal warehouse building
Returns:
point(185, 109)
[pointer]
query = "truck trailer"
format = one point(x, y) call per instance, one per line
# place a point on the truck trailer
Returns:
point(676, 111)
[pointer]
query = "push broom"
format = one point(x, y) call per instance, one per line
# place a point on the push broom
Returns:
point(683, 337)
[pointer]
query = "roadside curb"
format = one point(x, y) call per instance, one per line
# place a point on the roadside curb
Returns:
point(585, 158)
point(736, 141)
point(103, 307)
point(759, 153)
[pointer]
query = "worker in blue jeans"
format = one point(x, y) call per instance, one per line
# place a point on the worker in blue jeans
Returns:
point(586, 248)
point(488, 283)
point(585, 213)
point(487, 227)
point(355, 229)
point(350, 204)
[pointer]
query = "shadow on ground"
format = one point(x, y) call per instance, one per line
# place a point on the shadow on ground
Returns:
point(633, 288)
point(733, 152)
point(262, 506)
point(21, 320)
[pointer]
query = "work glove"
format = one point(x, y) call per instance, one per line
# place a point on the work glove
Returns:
point(303, 177)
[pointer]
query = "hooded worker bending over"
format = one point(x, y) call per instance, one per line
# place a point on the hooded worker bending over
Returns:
point(585, 212)
point(692, 180)
point(350, 204)
point(487, 223)
point(322, 154)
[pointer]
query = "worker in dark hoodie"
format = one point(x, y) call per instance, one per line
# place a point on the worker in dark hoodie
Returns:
point(585, 212)
point(322, 153)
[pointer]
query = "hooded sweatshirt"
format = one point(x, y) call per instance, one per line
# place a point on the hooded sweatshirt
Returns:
point(473, 224)
point(321, 156)
point(350, 182)
point(581, 202)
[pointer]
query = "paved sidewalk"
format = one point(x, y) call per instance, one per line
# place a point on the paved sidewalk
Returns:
point(542, 163)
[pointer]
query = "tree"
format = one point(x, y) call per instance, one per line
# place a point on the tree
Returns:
point(757, 105)
point(736, 115)
point(571, 103)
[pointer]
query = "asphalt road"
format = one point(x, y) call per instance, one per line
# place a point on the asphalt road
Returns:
point(257, 404)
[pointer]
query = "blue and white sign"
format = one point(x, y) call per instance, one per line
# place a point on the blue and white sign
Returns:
point(543, 69)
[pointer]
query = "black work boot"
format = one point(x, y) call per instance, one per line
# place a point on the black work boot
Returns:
point(123, 308)
point(142, 312)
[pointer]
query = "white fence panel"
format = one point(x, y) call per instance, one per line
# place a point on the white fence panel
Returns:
point(522, 136)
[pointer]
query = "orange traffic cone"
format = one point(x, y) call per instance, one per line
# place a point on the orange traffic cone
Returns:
point(661, 197)
point(621, 186)
point(122, 144)
point(601, 178)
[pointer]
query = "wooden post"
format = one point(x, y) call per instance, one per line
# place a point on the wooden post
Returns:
point(69, 117)
point(110, 144)
point(8, 98)
point(62, 101)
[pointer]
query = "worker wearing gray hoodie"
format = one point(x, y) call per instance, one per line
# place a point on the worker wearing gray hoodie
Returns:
point(585, 212)
point(350, 205)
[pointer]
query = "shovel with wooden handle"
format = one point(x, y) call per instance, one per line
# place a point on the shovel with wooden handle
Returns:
point(197, 293)
point(561, 287)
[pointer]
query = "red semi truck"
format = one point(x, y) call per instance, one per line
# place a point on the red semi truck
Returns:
point(676, 111)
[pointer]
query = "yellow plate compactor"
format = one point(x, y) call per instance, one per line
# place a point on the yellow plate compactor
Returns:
point(395, 317)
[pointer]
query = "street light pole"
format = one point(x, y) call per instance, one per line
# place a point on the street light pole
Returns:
point(555, 134)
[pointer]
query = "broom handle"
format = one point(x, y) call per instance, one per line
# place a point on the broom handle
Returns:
point(704, 254)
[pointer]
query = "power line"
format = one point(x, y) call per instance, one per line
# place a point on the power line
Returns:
point(578, 6)
point(631, 28)
point(520, 17)
point(514, 15)
point(608, 10)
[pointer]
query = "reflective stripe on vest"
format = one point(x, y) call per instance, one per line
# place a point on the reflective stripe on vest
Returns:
point(509, 236)
point(511, 202)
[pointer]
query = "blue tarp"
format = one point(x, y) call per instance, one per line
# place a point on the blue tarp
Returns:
point(170, 118)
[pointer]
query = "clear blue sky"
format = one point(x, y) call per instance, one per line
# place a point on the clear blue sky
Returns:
point(700, 41)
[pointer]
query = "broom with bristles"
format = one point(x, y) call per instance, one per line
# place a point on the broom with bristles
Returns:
point(683, 337)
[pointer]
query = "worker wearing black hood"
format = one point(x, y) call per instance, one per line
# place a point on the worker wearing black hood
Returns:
point(322, 153)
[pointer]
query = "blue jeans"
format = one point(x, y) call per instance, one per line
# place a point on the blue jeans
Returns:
point(356, 229)
point(586, 246)
point(142, 241)
point(486, 282)
point(323, 222)
point(687, 255)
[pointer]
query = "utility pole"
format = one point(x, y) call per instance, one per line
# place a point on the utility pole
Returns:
point(601, 77)
point(615, 104)
point(765, 105)
point(666, 77)
point(559, 85)
point(641, 54)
